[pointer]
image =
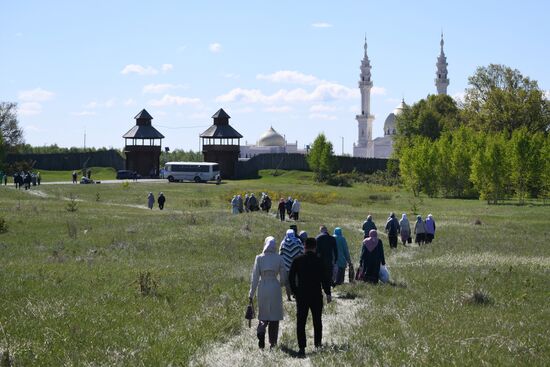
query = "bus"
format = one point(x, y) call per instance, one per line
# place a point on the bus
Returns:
point(191, 171)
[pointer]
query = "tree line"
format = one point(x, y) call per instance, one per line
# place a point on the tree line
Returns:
point(493, 145)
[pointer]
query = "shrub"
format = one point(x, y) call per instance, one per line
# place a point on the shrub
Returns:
point(147, 284)
point(3, 225)
point(340, 179)
point(72, 230)
point(72, 205)
point(479, 296)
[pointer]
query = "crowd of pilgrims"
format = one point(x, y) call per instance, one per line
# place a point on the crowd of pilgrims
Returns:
point(250, 203)
point(308, 266)
point(24, 179)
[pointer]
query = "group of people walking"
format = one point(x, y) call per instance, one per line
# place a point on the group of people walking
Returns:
point(290, 207)
point(308, 266)
point(151, 200)
point(250, 203)
point(24, 179)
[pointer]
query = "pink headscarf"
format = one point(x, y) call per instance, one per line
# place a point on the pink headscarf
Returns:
point(371, 241)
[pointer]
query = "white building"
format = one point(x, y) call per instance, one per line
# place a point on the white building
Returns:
point(270, 142)
point(382, 147)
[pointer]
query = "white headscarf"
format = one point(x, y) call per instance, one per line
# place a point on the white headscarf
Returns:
point(269, 245)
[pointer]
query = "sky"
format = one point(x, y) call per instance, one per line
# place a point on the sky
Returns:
point(86, 68)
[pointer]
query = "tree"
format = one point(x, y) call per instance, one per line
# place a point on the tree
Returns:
point(490, 171)
point(428, 117)
point(545, 167)
point(321, 158)
point(418, 166)
point(9, 126)
point(502, 99)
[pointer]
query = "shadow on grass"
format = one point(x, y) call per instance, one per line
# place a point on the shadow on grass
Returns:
point(326, 348)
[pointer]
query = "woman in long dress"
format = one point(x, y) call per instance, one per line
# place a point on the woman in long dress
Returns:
point(372, 256)
point(404, 229)
point(268, 274)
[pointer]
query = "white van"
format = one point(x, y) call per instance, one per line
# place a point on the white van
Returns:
point(191, 171)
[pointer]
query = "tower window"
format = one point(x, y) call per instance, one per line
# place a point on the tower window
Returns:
point(439, 76)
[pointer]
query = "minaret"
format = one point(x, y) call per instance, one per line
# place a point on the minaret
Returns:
point(441, 80)
point(364, 146)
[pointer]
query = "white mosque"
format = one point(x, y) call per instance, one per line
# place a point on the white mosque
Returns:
point(382, 147)
point(270, 142)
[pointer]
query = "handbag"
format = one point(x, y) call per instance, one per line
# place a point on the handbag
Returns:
point(249, 314)
point(351, 273)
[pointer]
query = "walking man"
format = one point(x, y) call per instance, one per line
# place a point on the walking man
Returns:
point(161, 200)
point(306, 278)
point(327, 250)
point(392, 229)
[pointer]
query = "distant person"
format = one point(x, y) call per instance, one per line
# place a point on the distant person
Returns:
point(27, 181)
point(218, 179)
point(235, 205)
point(343, 255)
point(253, 203)
point(33, 178)
point(294, 227)
point(303, 237)
point(161, 200)
point(288, 206)
point(134, 176)
point(430, 228)
point(296, 209)
point(419, 231)
point(392, 229)
point(6, 179)
point(38, 178)
point(240, 204)
point(404, 229)
point(267, 266)
point(75, 177)
point(150, 201)
point(266, 203)
point(307, 276)
point(290, 248)
point(368, 225)
point(246, 200)
point(89, 174)
point(372, 256)
point(327, 250)
point(282, 209)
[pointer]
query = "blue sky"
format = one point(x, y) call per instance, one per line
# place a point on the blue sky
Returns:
point(76, 66)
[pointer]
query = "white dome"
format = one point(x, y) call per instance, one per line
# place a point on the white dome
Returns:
point(389, 124)
point(271, 138)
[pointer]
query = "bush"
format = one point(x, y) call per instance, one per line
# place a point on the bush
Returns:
point(3, 225)
point(147, 284)
point(341, 180)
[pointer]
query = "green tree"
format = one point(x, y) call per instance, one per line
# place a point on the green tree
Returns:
point(418, 167)
point(502, 99)
point(545, 167)
point(490, 171)
point(9, 126)
point(523, 158)
point(321, 158)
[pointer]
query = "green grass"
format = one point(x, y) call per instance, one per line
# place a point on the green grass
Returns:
point(98, 173)
point(70, 295)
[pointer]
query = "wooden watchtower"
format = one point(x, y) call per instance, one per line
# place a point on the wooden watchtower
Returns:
point(221, 144)
point(142, 146)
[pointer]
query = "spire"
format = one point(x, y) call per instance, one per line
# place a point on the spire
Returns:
point(442, 43)
point(365, 46)
point(441, 80)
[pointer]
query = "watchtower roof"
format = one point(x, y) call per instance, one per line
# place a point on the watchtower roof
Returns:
point(221, 127)
point(143, 129)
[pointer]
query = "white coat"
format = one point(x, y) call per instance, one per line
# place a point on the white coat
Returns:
point(296, 206)
point(267, 267)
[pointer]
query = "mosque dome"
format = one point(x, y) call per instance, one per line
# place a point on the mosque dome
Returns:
point(389, 124)
point(271, 138)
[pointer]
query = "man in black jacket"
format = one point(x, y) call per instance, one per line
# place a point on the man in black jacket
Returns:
point(327, 250)
point(306, 276)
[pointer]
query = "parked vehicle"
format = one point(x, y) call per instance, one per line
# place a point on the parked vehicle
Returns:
point(85, 180)
point(191, 171)
point(126, 175)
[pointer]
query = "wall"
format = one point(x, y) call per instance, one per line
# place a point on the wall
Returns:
point(71, 161)
point(248, 168)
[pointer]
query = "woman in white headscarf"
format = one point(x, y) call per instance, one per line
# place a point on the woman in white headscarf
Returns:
point(291, 247)
point(404, 229)
point(267, 266)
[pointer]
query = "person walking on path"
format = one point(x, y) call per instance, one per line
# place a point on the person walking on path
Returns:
point(150, 201)
point(326, 250)
point(267, 266)
point(240, 204)
point(303, 237)
point(75, 177)
point(246, 199)
point(288, 206)
point(392, 229)
point(296, 209)
point(290, 248)
point(368, 225)
point(404, 229)
point(343, 255)
point(38, 178)
point(5, 179)
point(161, 200)
point(419, 231)
point(235, 205)
point(372, 256)
point(307, 276)
point(430, 228)
point(282, 209)
point(253, 203)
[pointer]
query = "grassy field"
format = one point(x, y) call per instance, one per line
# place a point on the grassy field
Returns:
point(98, 173)
point(114, 283)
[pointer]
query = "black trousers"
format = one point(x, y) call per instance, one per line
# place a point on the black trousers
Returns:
point(392, 238)
point(282, 215)
point(305, 304)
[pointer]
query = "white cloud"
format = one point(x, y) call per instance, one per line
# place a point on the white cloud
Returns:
point(95, 104)
point(85, 113)
point(138, 69)
point(110, 103)
point(215, 47)
point(324, 92)
point(289, 76)
point(322, 116)
point(36, 95)
point(278, 109)
point(243, 110)
point(459, 96)
point(161, 88)
point(167, 67)
point(168, 100)
point(231, 76)
point(322, 108)
point(181, 49)
point(378, 91)
point(130, 102)
point(92, 104)
point(321, 25)
point(30, 108)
